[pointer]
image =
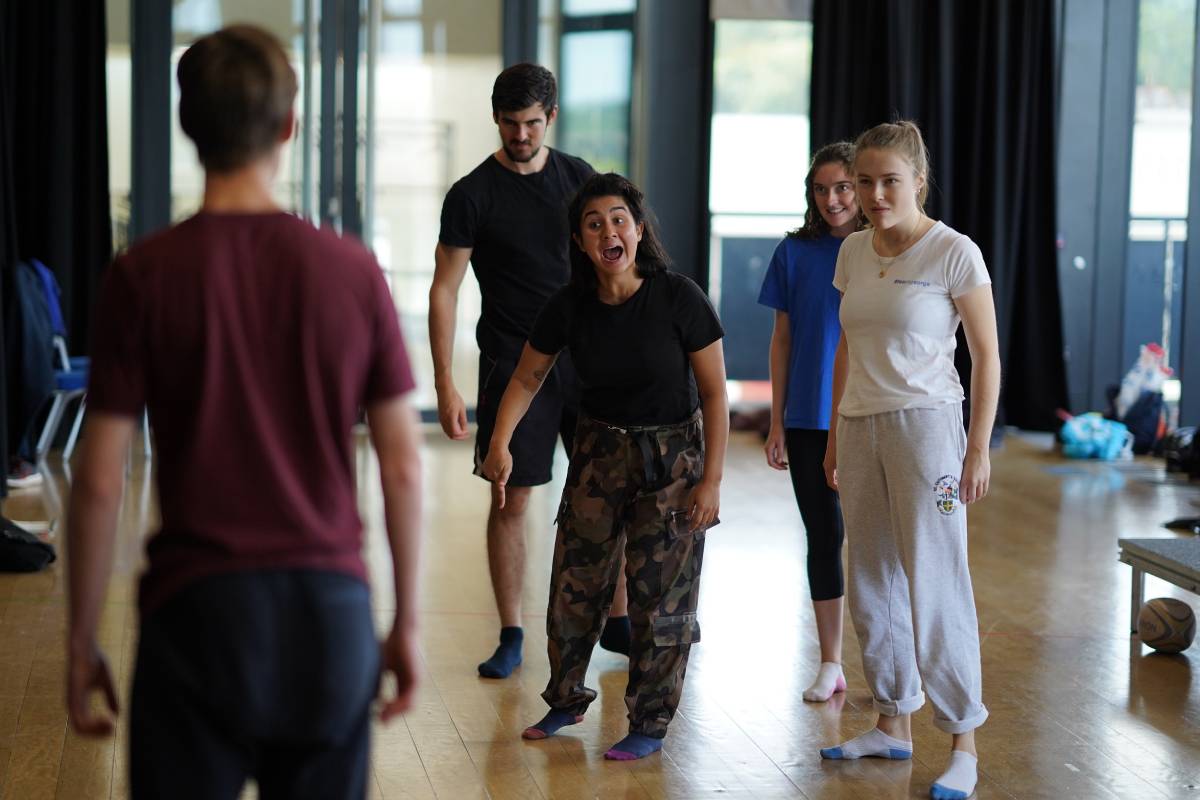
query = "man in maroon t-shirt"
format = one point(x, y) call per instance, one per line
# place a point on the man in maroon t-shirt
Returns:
point(254, 340)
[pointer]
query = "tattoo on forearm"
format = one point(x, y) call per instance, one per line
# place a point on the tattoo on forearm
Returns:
point(539, 375)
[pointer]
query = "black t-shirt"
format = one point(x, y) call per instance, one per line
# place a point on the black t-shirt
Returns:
point(632, 358)
point(517, 228)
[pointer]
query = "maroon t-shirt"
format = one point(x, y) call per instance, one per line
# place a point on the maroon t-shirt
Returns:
point(254, 340)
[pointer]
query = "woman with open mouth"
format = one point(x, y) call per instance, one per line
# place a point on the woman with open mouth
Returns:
point(645, 471)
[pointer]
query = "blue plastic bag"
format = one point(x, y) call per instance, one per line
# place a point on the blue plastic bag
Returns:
point(1092, 436)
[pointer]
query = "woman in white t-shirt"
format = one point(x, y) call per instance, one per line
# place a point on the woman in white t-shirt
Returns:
point(899, 456)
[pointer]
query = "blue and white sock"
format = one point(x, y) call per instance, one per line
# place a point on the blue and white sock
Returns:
point(958, 781)
point(872, 744)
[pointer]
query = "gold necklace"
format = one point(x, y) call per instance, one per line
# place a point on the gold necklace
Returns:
point(885, 266)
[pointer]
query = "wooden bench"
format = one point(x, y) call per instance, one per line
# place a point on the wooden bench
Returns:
point(1176, 561)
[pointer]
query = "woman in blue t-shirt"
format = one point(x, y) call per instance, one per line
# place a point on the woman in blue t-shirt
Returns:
point(798, 285)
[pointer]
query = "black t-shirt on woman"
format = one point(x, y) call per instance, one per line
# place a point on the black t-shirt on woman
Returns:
point(632, 358)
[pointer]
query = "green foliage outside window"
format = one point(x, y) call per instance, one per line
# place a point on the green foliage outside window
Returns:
point(1166, 34)
point(762, 67)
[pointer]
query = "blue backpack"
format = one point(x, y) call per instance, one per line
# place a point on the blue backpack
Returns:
point(29, 339)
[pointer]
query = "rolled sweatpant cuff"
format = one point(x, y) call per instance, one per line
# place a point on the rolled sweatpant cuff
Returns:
point(896, 708)
point(965, 726)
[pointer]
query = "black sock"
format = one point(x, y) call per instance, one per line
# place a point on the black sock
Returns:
point(616, 635)
point(507, 656)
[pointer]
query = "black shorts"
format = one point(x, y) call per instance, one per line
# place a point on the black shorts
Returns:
point(551, 415)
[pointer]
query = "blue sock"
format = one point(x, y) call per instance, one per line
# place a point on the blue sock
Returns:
point(507, 656)
point(633, 746)
point(617, 634)
point(549, 724)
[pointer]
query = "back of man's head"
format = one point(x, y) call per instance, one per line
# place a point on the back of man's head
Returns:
point(236, 90)
point(524, 85)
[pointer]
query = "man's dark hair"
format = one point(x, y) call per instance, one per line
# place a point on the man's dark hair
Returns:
point(236, 89)
point(523, 85)
point(651, 255)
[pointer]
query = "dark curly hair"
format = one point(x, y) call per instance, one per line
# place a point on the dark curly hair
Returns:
point(815, 226)
point(651, 255)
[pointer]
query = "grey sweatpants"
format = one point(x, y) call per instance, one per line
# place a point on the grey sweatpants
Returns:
point(909, 587)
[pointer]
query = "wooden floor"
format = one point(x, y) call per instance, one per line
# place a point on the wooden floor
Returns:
point(1078, 709)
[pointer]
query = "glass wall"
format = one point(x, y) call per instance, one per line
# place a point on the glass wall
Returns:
point(425, 70)
point(119, 90)
point(547, 46)
point(1160, 171)
point(431, 124)
point(424, 88)
point(759, 156)
point(586, 8)
point(595, 73)
point(760, 148)
point(192, 19)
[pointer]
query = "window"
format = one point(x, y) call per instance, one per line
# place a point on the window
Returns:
point(595, 75)
point(192, 19)
point(596, 87)
point(431, 123)
point(759, 157)
point(119, 90)
point(1160, 171)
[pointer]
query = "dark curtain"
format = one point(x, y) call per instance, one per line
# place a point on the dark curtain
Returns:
point(60, 146)
point(54, 203)
point(978, 78)
point(8, 232)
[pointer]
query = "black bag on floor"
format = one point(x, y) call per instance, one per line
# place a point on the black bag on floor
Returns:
point(21, 551)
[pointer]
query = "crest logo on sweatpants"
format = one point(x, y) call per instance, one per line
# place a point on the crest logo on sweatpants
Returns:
point(945, 494)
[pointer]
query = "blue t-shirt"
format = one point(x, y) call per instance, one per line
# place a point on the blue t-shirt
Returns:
point(799, 281)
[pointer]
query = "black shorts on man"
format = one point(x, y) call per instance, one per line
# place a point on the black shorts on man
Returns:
point(552, 415)
point(516, 227)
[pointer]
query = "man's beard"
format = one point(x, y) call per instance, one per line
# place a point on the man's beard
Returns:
point(515, 158)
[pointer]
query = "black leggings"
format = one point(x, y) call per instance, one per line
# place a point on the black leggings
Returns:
point(820, 510)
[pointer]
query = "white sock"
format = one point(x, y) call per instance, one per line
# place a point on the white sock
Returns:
point(958, 781)
point(873, 744)
point(829, 680)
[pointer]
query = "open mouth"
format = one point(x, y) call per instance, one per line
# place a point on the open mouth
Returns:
point(612, 255)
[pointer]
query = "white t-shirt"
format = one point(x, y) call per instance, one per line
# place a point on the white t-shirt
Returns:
point(900, 328)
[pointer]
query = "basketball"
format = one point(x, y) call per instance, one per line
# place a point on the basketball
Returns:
point(1166, 624)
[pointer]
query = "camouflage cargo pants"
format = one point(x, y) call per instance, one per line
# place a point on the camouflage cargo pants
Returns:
point(627, 489)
